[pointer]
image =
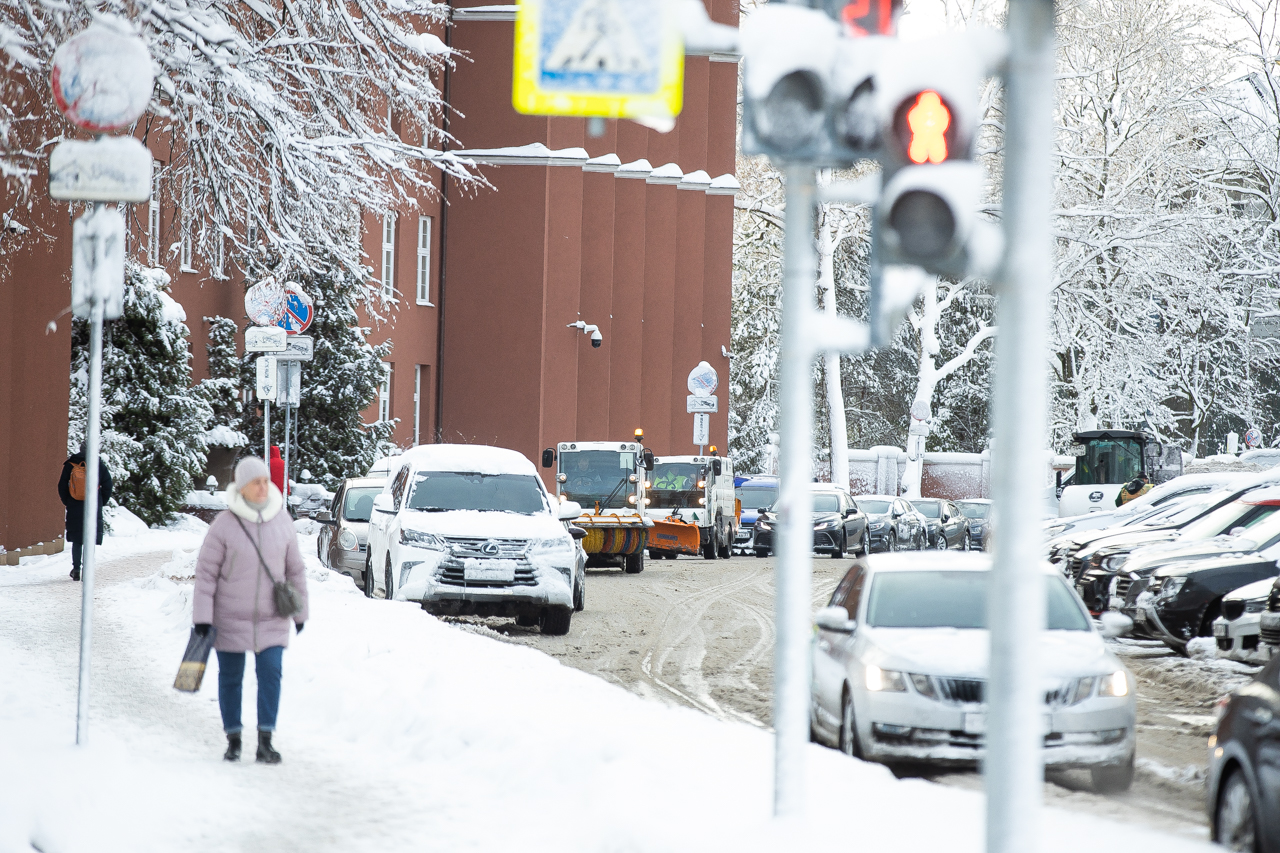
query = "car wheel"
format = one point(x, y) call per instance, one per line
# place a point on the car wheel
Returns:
point(1112, 778)
point(893, 541)
point(941, 544)
point(555, 621)
point(848, 728)
point(761, 552)
point(320, 549)
point(527, 620)
point(368, 580)
point(726, 543)
point(709, 550)
point(579, 596)
point(1235, 824)
point(633, 564)
point(866, 544)
point(838, 553)
point(967, 542)
point(921, 541)
point(387, 582)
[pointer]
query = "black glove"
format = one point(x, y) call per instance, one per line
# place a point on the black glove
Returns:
point(202, 629)
point(298, 626)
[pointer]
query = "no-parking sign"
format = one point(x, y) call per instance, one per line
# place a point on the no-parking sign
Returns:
point(299, 310)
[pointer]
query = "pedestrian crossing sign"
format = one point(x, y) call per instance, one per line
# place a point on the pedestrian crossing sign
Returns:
point(610, 58)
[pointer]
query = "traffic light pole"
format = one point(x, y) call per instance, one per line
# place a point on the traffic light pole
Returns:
point(795, 500)
point(1014, 765)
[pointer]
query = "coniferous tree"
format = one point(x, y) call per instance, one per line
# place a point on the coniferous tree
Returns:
point(148, 397)
point(222, 389)
point(338, 384)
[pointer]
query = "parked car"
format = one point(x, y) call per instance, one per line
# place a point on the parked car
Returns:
point(1237, 630)
point(838, 525)
point(342, 542)
point(1182, 599)
point(1253, 513)
point(1243, 789)
point(978, 511)
point(900, 670)
point(945, 526)
point(893, 523)
point(471, 530)
point(1178, 487)
point(755, 493)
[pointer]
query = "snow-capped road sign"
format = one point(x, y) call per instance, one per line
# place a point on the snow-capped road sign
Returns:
point(298, 310)
point(698, 403)
point(297, 348)
point(1253, 437)
point(111, 168)
point(611, 58)
point(701, 429)
point(266, 386)
point(264, 339)
point(703, 380)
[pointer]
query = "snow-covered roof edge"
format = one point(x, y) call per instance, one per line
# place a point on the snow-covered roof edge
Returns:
point(634, 169)
point(485, 13)
point(533, 154)
point(606, 163)
point(668, 173)
point(724, 185)
point(697, 180)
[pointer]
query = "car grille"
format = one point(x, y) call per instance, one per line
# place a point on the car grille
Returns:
point(1136, 588)
point(452, 573)
point(470, 546)
point(1075, 567)
point(1232, 610)
point(1122, 586)
point(961, 689)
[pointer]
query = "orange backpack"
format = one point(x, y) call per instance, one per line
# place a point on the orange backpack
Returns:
point(76, 485)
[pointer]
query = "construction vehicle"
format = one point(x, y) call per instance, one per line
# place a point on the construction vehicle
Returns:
point(608, 479)
point(691, 502)
point(1106, 459)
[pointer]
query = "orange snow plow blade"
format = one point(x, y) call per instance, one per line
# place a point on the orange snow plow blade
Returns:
point(674, 535)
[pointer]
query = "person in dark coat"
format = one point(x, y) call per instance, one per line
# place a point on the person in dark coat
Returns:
point(75, 508)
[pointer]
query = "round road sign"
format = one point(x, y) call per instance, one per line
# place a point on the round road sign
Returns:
point(102, 78)
point(1253, 437)
point(703, 380)
point(299, 310)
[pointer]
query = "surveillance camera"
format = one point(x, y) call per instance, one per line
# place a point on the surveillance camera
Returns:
point(596, 339)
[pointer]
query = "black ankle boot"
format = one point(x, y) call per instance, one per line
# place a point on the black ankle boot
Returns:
point(266, 755)
point(75, 574)
point(233, 748)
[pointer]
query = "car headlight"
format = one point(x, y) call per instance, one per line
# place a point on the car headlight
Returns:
point(1115, 684)
point(555, 547)
point(1114, 562)
point(825, 525)
point(761, 524)
point(1170, 588)
point(923, 685)
point(885, 680)
point(419, 539)
point(876, 525)
point(348, 541)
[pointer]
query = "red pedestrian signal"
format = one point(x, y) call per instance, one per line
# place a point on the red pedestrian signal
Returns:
point(866, 17)
point(928, 120)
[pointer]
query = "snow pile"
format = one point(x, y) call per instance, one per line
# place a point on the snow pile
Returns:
point(121, 522)
point(182, 566)
point(1202, 648)
point(1189, 775)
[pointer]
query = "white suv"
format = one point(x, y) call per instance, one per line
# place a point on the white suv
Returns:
point(470, 530)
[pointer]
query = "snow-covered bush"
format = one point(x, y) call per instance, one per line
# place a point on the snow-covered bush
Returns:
point(222, 389)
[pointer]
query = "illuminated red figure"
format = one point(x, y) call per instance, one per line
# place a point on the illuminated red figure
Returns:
point(928, 120)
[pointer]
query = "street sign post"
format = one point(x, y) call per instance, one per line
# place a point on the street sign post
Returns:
point(297, 348)
point(266, 386)
point(102, 82)
point(265, 339)
point(695, 403)
point(608, 58)
point(701, 430)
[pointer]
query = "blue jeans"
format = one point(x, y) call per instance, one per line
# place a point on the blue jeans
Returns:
point(269, 663)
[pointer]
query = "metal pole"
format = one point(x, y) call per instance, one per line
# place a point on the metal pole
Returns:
point(266, 433)
point(92, 438)
point(1015, 762)
point(795, 501)
point(288, 410)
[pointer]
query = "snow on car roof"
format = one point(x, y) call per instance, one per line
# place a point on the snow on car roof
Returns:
point(1267, 495)
point(469, 458)
point(926, 561)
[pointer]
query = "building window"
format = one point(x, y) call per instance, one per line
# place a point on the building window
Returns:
point(153, 217)
point(417, 404)
point(185, 253)
point(388, 255)
point(220, 256)
point(424, 261)
point(251, 236)
point(384, 397)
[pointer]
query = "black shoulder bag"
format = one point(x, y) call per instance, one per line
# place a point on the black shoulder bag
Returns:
point(286, 598)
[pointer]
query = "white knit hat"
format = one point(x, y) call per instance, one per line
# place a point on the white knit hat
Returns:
point(249, 469)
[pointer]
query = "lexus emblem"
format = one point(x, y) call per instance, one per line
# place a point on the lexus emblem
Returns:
point(489, 549)
point(1095, 496)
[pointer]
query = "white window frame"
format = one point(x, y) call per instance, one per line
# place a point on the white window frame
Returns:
point(153, 217)
point(220, 256)
point(388, 255)
point(417, 404)
point(384, 396)
point(424, 261)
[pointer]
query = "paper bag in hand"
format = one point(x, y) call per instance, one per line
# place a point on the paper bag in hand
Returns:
point(194, 661)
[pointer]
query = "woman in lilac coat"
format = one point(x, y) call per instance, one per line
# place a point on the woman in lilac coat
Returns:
point(234, 595)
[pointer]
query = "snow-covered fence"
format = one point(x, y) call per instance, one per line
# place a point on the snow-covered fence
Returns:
point(956, 476)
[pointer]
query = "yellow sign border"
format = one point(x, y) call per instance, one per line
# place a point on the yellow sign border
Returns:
point(529, 98)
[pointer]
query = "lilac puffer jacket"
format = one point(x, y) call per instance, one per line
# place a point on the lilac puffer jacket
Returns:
point(233, 593)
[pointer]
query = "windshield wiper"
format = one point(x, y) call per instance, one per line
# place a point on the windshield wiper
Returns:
point(432, 509)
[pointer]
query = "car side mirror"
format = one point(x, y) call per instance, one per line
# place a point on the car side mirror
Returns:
point(577, 533)
point(836, 619)
point(382, 503)
point(324, 517)
point(717, 467)
point(648, 459)
point(569, 510)
point(548, 458)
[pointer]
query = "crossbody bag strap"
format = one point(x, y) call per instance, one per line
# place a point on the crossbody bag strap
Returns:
point(261, 561)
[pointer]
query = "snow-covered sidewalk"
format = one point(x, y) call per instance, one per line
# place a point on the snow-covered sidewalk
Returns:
point(400, 732)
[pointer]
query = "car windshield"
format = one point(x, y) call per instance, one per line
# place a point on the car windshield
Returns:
point(754, 497)
point(597, 476)
point(1182, 513)
point(358, 504)
point(972, 510)
point(1224, 518)
point(437, 491)
point(873, 507)
point(675, 485)
point(826, 502)
point(950, 599)
point(929, 509)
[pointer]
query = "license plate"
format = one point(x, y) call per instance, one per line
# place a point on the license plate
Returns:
point(1219, 630)
point(1140, 616)
point(489, 570)
point(975, 723)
